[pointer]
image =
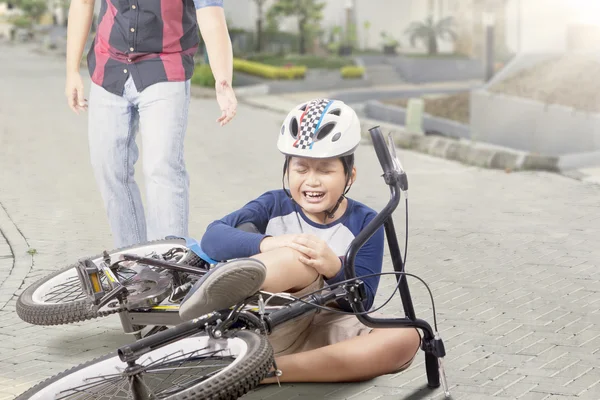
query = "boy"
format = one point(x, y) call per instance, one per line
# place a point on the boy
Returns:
point(303, 234)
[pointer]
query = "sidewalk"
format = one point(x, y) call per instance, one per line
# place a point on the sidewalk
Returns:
point(511, 259)
point(6, 266)
point(15, 262)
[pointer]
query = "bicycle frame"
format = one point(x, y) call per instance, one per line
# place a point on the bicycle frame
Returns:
point(432, 344)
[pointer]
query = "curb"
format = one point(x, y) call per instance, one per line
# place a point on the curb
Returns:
point(460, 149)
point(413, 90)
point(22, 261)
point(465, 151)
point(377, 110)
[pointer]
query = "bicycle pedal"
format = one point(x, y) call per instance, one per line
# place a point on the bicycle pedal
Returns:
point(90, 281)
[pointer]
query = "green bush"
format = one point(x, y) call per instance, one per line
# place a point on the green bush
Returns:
point(203, 76)
point(21, 21)
point(352, 72)
point(269, 71)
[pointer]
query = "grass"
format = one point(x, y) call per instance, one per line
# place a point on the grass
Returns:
point(203, 76)
point(308, 60)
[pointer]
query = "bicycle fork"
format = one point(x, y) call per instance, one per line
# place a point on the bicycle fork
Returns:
point(434, 349)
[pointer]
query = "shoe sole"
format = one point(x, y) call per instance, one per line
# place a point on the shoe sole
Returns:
point(228, 285)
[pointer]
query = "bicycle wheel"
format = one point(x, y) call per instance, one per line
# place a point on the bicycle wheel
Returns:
point(58, 298)
point(196, 367)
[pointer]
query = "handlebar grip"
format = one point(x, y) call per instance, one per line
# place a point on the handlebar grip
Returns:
point(381, 149)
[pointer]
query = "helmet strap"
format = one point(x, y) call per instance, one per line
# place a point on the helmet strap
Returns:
point(285, 167)
point(331, 213)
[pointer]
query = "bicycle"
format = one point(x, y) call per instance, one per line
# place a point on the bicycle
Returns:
point(237, 335)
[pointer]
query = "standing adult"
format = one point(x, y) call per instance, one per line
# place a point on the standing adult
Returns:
point(141, 63)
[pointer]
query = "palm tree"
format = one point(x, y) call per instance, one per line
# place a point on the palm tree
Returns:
point(429, 31)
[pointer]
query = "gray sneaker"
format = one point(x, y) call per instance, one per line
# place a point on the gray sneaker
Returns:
point(222, 287)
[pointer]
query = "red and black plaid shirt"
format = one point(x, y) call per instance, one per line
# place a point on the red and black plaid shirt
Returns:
point(153, 40)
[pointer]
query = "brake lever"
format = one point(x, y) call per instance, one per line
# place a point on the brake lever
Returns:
point(403, 179)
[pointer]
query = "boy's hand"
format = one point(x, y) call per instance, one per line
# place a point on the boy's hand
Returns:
point(277, 242)
point(74, 92)
point(316, 253)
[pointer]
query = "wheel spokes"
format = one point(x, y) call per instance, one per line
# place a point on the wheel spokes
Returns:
point(168, 375)
point(65, 292)
point(70, 290)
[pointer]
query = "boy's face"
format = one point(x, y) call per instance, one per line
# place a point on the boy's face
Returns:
point(317, 184)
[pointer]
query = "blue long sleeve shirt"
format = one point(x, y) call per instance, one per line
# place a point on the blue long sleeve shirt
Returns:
point(273, 213)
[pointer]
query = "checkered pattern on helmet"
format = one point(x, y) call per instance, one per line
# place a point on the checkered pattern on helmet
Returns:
point(309, 122)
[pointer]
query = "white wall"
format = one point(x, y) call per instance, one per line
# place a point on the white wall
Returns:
point(5, 12)
point(544, 23)
point(242, 13)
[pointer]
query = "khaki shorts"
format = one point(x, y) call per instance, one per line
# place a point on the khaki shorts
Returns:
point(315, 330)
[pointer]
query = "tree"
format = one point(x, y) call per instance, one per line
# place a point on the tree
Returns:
point(429, 31)
point(259, 23)
point(308, 12)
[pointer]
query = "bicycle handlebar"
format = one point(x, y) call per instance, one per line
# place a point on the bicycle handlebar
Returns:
point(385, 159)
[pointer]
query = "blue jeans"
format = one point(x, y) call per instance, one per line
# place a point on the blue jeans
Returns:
point(161, 112)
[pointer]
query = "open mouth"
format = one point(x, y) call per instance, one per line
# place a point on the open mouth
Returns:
point(313, 195)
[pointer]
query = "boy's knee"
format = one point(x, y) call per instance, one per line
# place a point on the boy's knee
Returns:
point(406, 338)
point(291, 255)
point(286, 256)
point(399, 345)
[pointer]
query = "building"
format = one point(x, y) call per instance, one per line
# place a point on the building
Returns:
point(390, 16)
point(7, 11)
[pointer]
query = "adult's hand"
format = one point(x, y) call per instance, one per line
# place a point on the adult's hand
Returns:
point(74, 92)
point(213, 28)
point(227, 101)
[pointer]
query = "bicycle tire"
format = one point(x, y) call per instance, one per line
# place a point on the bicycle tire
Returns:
point(232, 384)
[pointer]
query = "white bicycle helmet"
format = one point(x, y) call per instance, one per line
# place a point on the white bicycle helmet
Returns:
point(321, 128)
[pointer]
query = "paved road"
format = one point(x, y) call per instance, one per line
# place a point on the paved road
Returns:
point(512, 259)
